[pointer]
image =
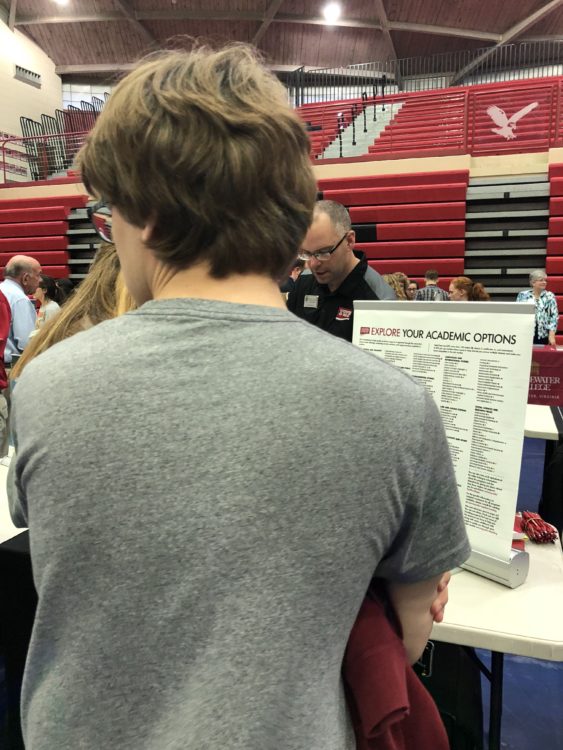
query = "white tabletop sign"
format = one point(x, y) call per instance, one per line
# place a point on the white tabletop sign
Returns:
point(474, 358)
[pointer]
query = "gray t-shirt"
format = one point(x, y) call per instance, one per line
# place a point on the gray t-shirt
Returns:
point(208, 498)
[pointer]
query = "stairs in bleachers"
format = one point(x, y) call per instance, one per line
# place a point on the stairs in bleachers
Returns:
point(506, 231)
point(361, 133)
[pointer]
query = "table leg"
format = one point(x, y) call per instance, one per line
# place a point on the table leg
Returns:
point(495, 714)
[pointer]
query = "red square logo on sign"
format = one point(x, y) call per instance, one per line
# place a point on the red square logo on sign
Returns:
point(343, 314)
point(364, 329)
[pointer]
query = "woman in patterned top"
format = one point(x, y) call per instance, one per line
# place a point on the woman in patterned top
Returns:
point(547, 313)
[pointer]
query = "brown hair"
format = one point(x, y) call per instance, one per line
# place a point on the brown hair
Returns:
point(204, 146)
point(396, 285)
point(100, 296)
point(475, 291)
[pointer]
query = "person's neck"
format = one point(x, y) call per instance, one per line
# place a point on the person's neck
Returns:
point(431, 283)
point(333, 286)
point(196, 283)
point(537, 293)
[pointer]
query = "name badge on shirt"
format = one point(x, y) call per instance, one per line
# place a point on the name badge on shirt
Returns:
point(311, 300)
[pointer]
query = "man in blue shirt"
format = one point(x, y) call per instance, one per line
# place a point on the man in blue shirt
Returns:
point(21, 278)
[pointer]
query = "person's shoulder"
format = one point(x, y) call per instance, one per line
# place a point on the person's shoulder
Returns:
point(336, 365)
point(76, 358)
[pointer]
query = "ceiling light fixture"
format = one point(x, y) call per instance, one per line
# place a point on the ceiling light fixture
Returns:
point(61, 2)
point(332, 12)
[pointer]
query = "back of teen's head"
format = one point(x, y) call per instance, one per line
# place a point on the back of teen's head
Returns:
point(204, 146)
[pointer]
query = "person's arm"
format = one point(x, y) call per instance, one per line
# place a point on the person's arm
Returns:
point(553, 320)
point(418, 606)
point(23, 322)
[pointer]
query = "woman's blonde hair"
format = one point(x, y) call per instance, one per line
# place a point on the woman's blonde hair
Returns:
point(396, 285)
point(102, 295)
point(204, 145)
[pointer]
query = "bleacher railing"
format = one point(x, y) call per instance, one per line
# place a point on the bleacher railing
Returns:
point(39, 157)
point(503, 119)
point(508, 62)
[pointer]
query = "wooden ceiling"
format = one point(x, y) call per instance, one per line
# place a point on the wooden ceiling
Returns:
point(89, 36)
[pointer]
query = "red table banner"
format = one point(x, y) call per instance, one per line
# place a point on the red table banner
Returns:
point(546, 376)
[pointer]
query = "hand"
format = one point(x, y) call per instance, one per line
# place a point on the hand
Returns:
point(439, 603)
point(551, 338)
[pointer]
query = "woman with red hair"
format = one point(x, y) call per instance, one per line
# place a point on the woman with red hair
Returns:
point(462, 289)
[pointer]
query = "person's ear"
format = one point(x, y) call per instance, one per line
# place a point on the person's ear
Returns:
point(351, 239)
point(147, 231)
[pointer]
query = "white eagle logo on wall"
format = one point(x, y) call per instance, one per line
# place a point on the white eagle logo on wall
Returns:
point(506, 126)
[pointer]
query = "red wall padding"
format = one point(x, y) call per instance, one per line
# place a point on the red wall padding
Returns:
point(56, 258)
point(33, 230)
point(422, 230)
point(416, 267)
point(30, 244)
point(428, 250)
point(381, 196)
point(408, 212)
point(389, 180)
point(26, 215)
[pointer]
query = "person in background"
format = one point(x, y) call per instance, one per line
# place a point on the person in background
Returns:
point(289, 284)
point(431, 292)
point(547, 313)
point(22, 277)
point(463, 289)
point(65, 288)
point(101, 296)
point(403, 280)
point(412, 288)
point(47, 294)
point(396, 285)
point(196, 589)
point(339, 274)
point(5, 321)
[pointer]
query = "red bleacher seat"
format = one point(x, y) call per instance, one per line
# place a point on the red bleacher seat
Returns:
point(555, 284)
point(389, 180)
point(26, 215)
point(421, 230)
point(418, 267)
point(556, 207)
point(33, 229)
point(555, 246)
point(32, 244)
point(74, 200)
point(423, 249)
point(553, 265)
point(408, 212)
point(556, 226)
point(402, 194)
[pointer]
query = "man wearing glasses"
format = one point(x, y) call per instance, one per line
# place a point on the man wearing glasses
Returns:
point(339, 274)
